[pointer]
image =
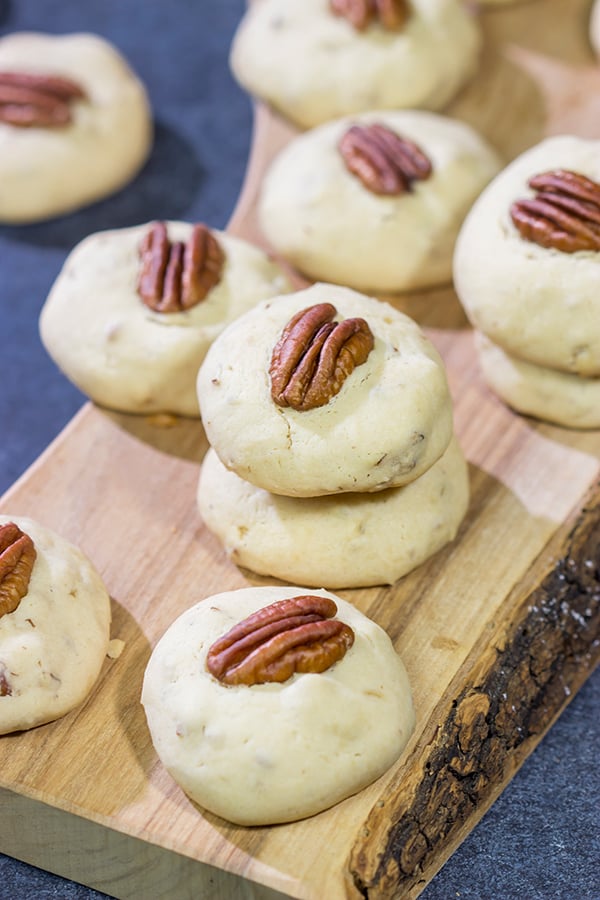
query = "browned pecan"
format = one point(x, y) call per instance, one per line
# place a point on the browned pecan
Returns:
point(295, 635)
point(385, 162)
point(42, 101)
point(175, 276)
point(315, 355)
point(391, 14)
point(17, 556)
point(564, 214)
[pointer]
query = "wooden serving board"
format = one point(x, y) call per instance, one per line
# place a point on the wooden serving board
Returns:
point(497, 631)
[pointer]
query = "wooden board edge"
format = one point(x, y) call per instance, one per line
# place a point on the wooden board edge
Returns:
point(106, 860)
point(497, 709)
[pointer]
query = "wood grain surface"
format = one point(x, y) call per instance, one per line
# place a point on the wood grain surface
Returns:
point(497, 631)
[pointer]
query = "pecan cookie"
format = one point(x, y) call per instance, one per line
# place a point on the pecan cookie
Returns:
point(54, 625)
point(75, 124)
point(271, 704)
point(133, 312)
point(322, 391)
point(375, 201)
point(345, 541)
point(316, 60)
point(558, 397)
point(527, 260)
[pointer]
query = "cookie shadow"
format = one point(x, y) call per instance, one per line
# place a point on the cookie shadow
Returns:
point(173, 435)
point(164, 189)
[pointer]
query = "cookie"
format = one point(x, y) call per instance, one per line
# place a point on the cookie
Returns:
point(267, 752)
point(390, 420)
point(343, 541)
point(539, 303)
point(313, 65)
point(594, 27)
point(558, 397)
point(133, 354)
point(54, 625)
point(75, 124)
point(393, 230)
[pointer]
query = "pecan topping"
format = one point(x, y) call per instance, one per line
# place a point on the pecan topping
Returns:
point(296, 635)
point(385, 162)
point(564, 214)
point(315, 355)
point(17, 556)
point(391, 14)
point(175, 276)
point(42, 101)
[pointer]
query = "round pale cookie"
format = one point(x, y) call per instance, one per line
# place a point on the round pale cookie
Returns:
point(313, 66)
point(390, 421)
point(47, 171)
point(539, 304)
point(558, 397)
point(125, 355)
point(324, 220)
point(53, 644)
point(274, 752)
point(595, 27)
point(343, 541)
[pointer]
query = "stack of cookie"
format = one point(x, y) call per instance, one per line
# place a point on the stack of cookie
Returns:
point(332, 460)
point(526, 270)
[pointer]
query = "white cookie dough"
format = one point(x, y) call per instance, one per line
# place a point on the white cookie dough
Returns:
point(391, 420)
point(343, 541)
point(45, 172)
point(322, 219)
point(274, 752)
point(52, 646)
point(539, 304)
point(595, 27)
point(558, 397)
point(313, 66)
point(124, 355)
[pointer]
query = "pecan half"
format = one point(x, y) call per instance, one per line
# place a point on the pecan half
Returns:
point(175, 276)
point(28, 100)
point(315, 355)
point(391, 14)
point(288, 636)
point(385, 162)
point(563, 215)
point(17, 556)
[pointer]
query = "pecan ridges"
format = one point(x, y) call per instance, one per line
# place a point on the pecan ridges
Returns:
point(29, 100)
point(315, 355)
point(175, 276)
point(288, 636)
point(385, 162)
point(391, 14)
point(564, 214)
point(17, 556)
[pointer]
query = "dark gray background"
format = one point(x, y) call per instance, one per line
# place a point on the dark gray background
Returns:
point(540, 841)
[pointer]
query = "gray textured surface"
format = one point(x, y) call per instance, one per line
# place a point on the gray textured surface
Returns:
point(540, 841)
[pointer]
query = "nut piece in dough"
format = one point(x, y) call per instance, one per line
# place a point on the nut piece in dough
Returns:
point(312, 65)
point(122, 354)
point(99, 147)
point(53, 644)
point(321, 217)
point(343, 541)
point(260, 754)
point(390, 421)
